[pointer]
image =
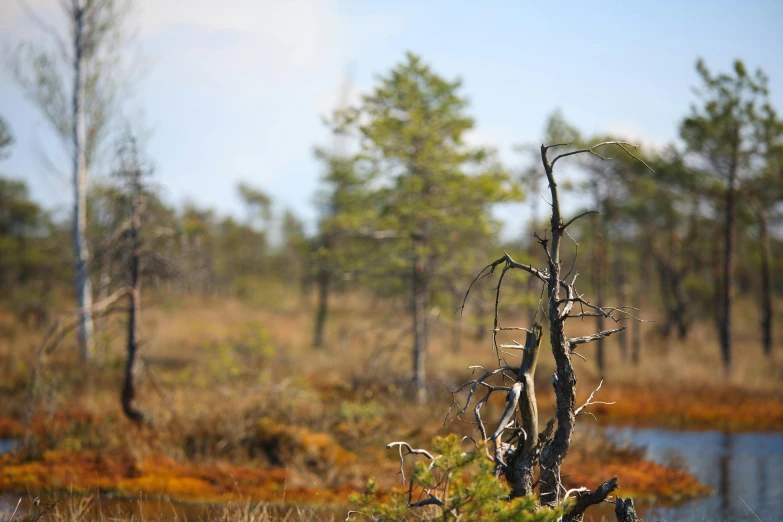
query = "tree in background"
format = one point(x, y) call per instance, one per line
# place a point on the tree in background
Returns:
point(293, 248)
point(723, 133)
point(27, 238)
point(75, 85)
point(764, 191)
point(130, 175)
point(341, 208)
point(427, 184)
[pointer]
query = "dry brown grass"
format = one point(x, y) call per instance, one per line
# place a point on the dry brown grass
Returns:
point(238, 388)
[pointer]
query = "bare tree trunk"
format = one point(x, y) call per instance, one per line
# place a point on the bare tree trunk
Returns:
point(520, 473)
point(598, 282)
point(728, 269)
point(131, 363)
point(680, 310)
point(621, 291)
point(636, 332)
point(83, 287)
point(766, 280)
point(624, 510)
point(663, 280)
point(419, 316)
point(564, 379)
point(323, 306)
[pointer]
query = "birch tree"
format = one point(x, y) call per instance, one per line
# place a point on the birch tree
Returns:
point(74, 82)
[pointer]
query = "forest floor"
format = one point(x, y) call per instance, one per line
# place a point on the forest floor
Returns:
point(243, 407)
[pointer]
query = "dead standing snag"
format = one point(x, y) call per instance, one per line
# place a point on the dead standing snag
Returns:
point(519, 447)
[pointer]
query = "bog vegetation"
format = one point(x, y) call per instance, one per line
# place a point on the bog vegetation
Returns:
point(183, 354)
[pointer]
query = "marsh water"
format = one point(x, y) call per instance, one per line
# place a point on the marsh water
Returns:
point(744, 469)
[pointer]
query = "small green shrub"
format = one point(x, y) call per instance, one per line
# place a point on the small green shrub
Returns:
point(455, 485)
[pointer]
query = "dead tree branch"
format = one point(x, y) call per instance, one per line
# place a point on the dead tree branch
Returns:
point(573, 341)
point(586, 498)
point(519, 447)
point(590, 402)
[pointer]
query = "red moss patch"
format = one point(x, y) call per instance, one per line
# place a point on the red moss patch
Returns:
point(639, 478)
point(155, 476)
point(726, 409)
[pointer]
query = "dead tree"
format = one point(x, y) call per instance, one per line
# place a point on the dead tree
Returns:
point(516, 446)
point(132, 172)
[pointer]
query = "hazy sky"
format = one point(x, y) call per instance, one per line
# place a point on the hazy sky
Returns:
point(234, 90)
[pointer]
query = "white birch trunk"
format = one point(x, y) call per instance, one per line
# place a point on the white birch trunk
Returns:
point(83, 287)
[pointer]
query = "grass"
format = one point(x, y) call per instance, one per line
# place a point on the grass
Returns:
point(241, 402)
point(94, 508)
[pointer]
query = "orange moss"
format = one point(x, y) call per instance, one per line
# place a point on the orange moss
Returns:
point(725, 408)
point(639, 478)
point(318, 449)
point(155, 476)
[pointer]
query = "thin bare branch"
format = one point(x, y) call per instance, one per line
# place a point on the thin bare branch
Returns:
point(585, 213)
point(547, 147)
point(410, 449)
point(591, 150)
point(591, 402)
point(573, 341)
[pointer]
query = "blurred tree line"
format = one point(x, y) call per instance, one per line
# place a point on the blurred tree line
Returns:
point(408, 215)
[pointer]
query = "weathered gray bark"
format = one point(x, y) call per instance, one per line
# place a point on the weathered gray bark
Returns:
point(624, 510)
point(585, 499)
point(83, 287)
point(522, 466)
point(565, 379)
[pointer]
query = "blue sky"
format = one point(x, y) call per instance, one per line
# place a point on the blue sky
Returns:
point(235, 90)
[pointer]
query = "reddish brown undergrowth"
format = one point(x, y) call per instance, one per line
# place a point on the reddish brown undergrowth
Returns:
point(241, 402)
point(156, 476)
